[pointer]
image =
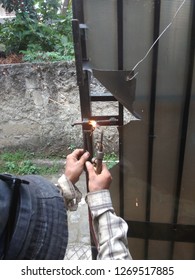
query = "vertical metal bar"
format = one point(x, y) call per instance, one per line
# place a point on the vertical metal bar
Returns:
point(78, 13)
point(85, 104)
point(77, 8)
point(157, 7)
point(120, 33)
point(184, 121)
point(121, 111)
point(83, 80)
point(121, 161)
point(83, 77)
point(77, 51)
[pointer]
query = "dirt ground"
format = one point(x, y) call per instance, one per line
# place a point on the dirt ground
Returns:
point(11, 59)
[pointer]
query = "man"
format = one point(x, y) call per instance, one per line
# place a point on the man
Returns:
point(34, 225)
point(110, 230)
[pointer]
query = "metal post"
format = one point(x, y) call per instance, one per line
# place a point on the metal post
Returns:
point(157, 8)
point(121, 111)
point(83, 81)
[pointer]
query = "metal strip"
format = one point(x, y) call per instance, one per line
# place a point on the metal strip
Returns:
point(184, 121)
point(121, 111)
point(161, 231)
point(78, 13)
point(120, 33)
point(102, 97)
point(157, 8)
point(107, 120)
point(77, 8)
point(83, 78)
point(121, 160)
point(78, 51)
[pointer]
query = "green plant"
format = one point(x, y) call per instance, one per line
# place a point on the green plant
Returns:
point(18, 5)
point(27, 167)
point(47, 170)
point(39, 28)
point(39, 56)
point(15, 156)
point(47, 10)
point(19, 167)
point(21, 163)
point(10, 166)
point(111, 159)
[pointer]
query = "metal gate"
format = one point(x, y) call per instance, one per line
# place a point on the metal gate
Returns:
point(154, 182)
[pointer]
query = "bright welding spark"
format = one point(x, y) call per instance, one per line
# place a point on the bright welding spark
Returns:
point(93, 123)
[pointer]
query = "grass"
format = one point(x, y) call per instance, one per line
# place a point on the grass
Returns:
point(21, 163)
point(111, 159)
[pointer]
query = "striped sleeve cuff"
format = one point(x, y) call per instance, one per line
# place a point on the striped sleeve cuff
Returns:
point(99, 202)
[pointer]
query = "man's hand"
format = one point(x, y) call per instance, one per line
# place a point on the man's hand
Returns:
point(75, 164)
point(100, 181)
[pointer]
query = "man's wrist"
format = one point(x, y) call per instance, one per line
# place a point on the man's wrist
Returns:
point(99, 202)
point(71, 194)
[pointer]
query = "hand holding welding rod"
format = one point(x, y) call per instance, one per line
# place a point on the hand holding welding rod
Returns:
point(100, 181)
point(75, 163)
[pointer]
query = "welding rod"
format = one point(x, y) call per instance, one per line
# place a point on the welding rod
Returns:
point(110, 121)
point(99, 155)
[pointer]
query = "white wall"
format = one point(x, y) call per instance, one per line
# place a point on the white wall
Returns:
point(2, 12)
point(4, 15)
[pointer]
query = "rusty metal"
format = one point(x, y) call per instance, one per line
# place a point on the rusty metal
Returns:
point(99, 122)
point(92, 124)
point(99, 155)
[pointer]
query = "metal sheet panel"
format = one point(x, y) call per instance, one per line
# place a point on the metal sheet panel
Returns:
point(101, 20)
point(173, 62)
point(187, 202)
point(151, 163)
point(171, 78)
point(138, 37)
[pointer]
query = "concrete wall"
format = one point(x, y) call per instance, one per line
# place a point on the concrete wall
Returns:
point(39, 104)
point(2, 12)
point(5, 15)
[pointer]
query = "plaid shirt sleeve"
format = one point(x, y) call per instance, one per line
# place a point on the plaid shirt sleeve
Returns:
point(110, 230)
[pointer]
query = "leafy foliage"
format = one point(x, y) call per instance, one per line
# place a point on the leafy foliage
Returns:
point(38, 28)
point(18, 5)
point(47, 10)
point(111, 159)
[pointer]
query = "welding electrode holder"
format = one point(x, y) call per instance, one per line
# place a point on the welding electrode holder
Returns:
point(88, 129)
point(99, 155)
point(98, 161)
